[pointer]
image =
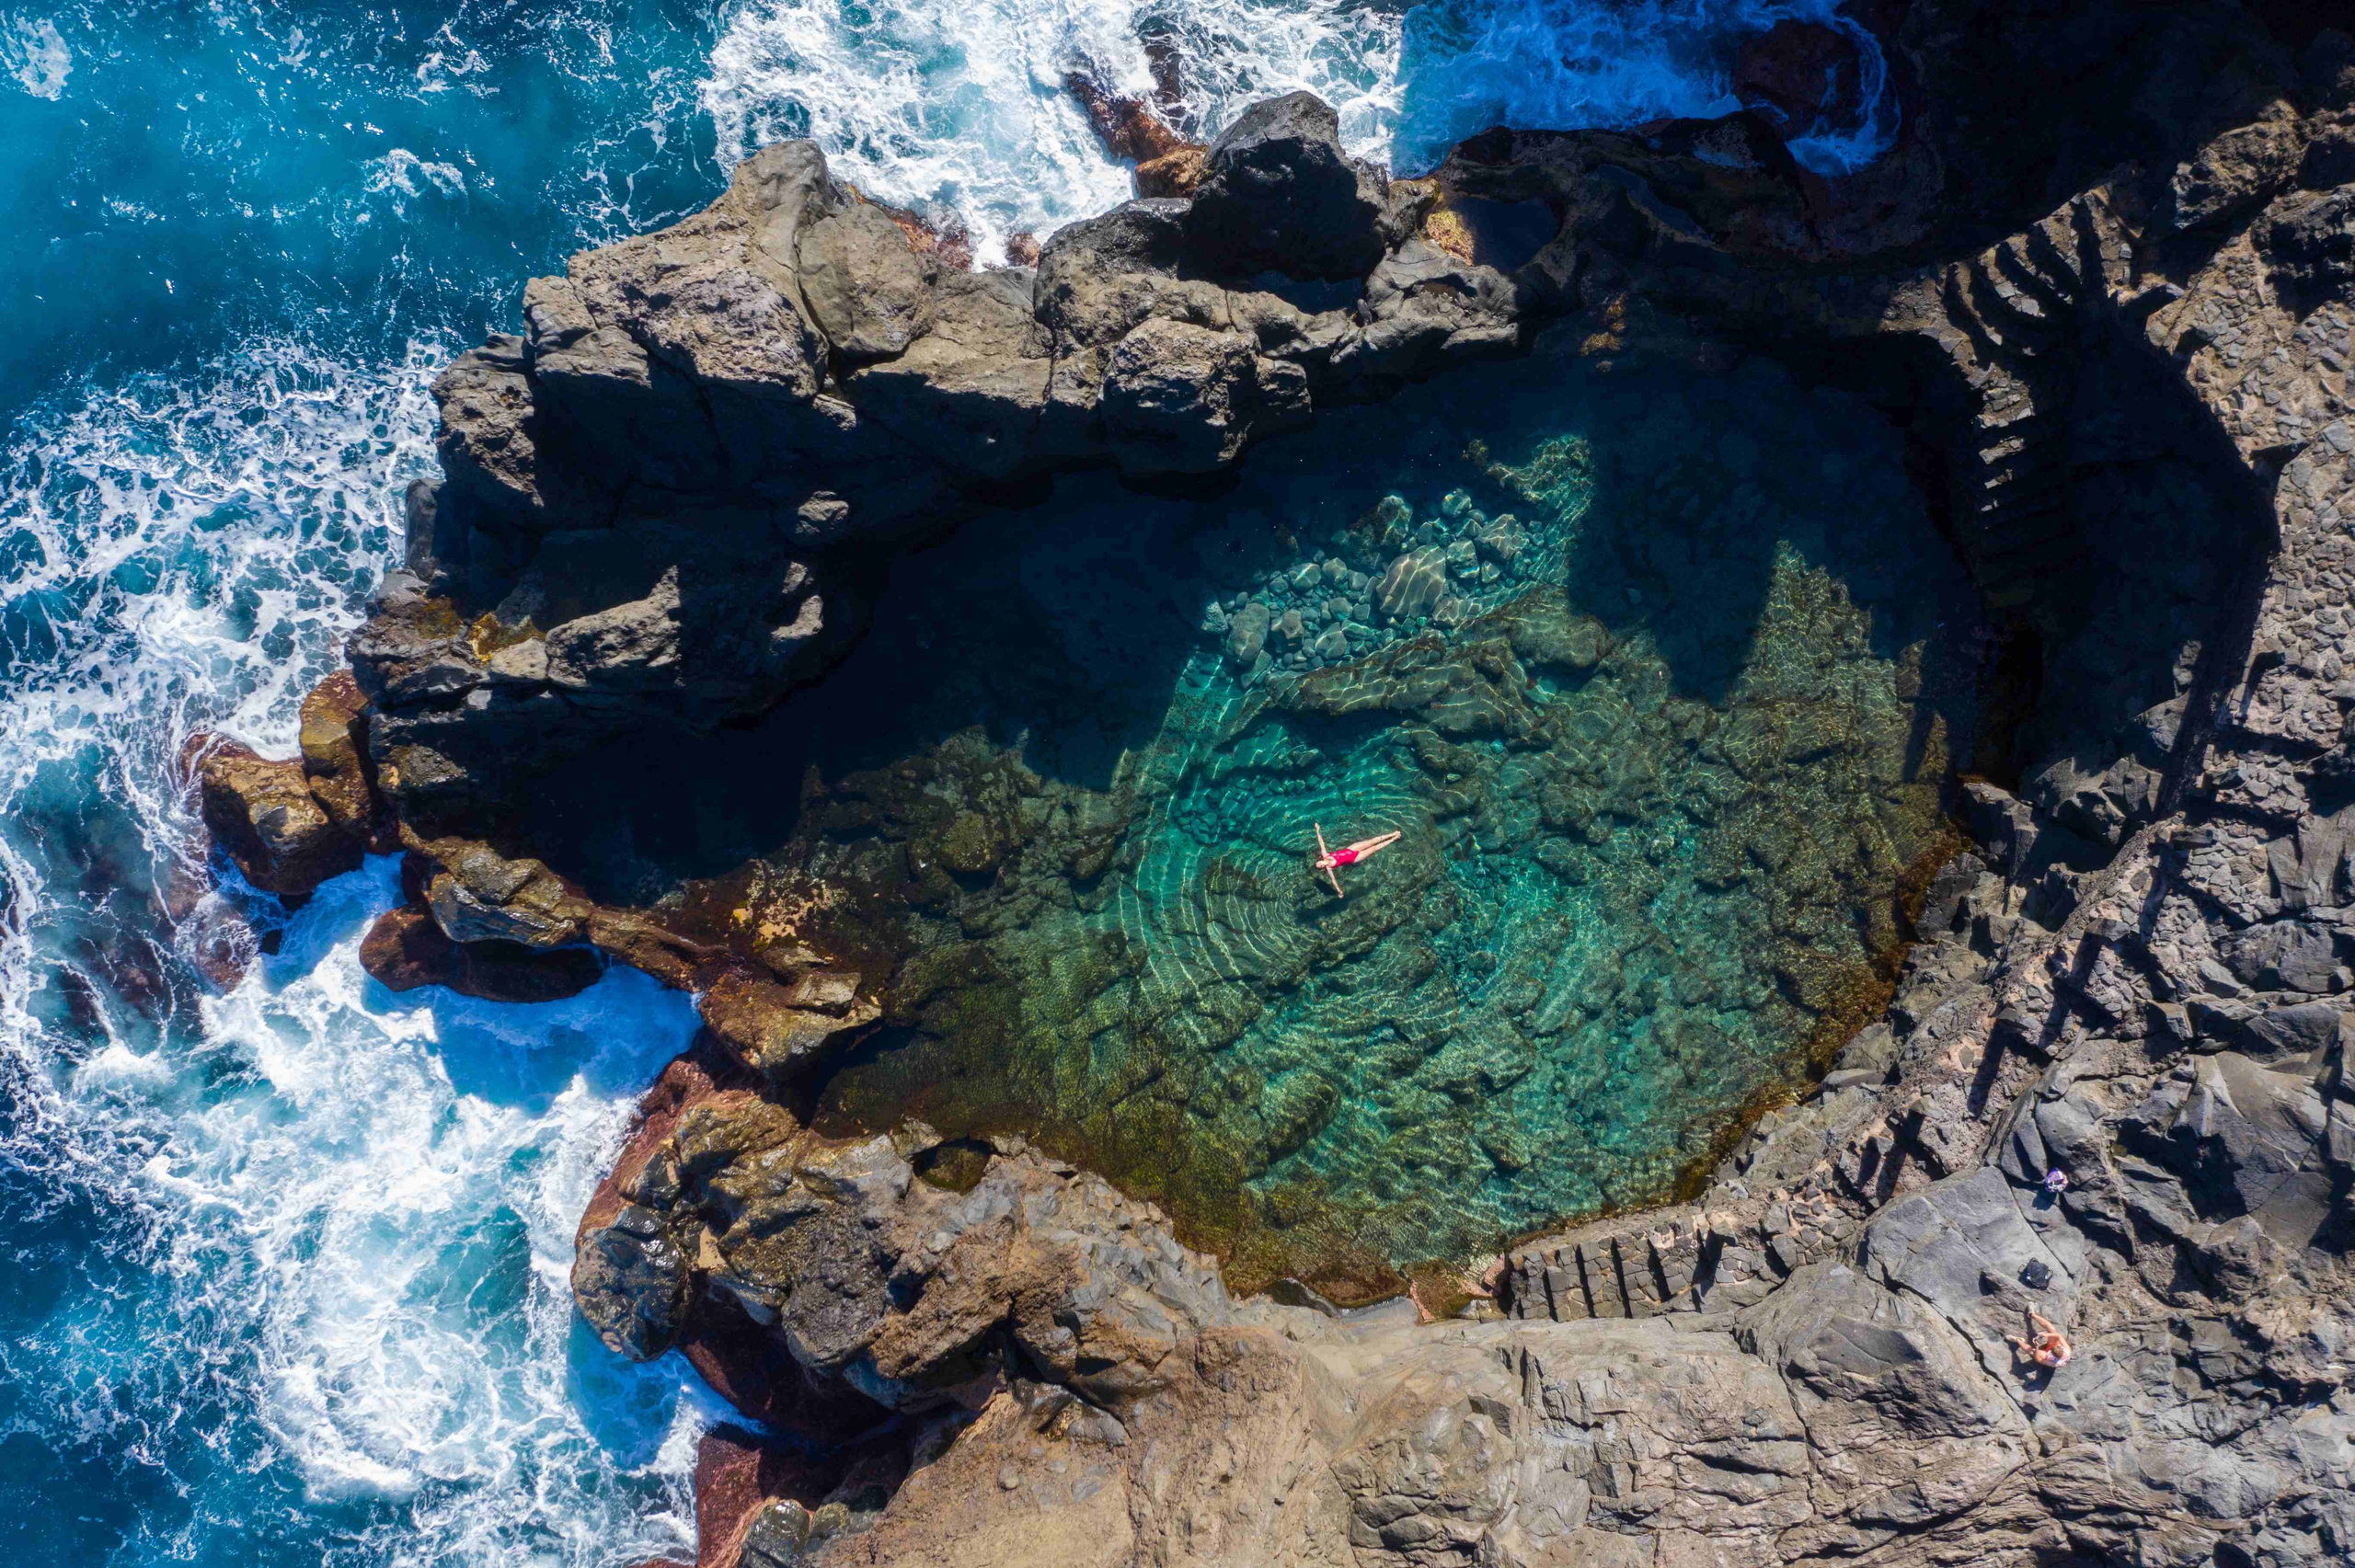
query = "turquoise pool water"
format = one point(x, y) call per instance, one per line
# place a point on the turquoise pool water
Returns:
point(1659, 677)
point(286, 1265)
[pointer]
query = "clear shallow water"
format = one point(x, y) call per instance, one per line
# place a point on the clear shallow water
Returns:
point(286, 1265)
point(1673, 720)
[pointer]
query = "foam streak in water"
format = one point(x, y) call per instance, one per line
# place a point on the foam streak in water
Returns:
point(960, 109)
point(316, 1290)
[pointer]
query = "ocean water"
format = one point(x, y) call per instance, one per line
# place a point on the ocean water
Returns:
point(285, 1263)
point(959, 109)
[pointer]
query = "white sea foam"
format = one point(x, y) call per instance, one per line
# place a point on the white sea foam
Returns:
point(959, 109)
point(1470, 65)
point(34, 52)
point(405, 174)
point(351, 1212)
point(409, 1171)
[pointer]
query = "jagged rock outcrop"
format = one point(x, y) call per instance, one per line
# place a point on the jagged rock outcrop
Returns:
point(656, 495)
point(2122, 331)
point(405, 948)
point(282, 835)
point(2139, 976)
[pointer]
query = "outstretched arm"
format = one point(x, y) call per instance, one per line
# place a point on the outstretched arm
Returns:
point(1325, 858)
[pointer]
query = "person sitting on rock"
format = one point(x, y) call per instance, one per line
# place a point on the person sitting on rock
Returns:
point(1327, 860)
point(2049, 1348)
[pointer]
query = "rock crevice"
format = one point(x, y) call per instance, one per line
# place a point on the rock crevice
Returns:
point(2126, 365)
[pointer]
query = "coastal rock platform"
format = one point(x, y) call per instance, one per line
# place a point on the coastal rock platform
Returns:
point(2100, 291)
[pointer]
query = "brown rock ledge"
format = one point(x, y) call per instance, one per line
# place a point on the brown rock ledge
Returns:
point(2125, 349)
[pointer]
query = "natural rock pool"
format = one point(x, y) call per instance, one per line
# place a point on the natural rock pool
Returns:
point(1660, 672)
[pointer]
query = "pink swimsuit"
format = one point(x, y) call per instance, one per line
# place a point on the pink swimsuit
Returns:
point(1345, 857)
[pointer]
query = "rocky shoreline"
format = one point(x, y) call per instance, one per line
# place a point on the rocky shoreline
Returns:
point(2104, 281)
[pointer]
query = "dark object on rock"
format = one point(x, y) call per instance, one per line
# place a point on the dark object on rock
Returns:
point(265, 815)
point(405, 949)
point(1278, 194)
point(1801, 74)
point(2037, 1275)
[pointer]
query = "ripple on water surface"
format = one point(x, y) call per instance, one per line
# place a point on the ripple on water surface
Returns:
point(285, 1267)
point(1658, 674)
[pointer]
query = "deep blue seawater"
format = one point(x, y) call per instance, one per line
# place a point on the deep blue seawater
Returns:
point(281, 1270)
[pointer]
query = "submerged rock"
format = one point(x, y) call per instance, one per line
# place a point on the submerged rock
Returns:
point(1246, 633)
point(1411, 585)
point(1803, 74)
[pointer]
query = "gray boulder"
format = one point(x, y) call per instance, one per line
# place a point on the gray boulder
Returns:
point(477, 895)
point(1278, 194)
point(1185, 399)
point(1963, 1244)
point(641, 411)
point(2308, 954)
point(868, 289)
point(490, 435)
point(1100, 276)
point(1246, 634)
point(973, 384)
point(2251, 1138)
point(1888, 1390)
point(1412, 585)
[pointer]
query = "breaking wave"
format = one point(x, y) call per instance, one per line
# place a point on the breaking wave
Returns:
point(961, 109)
point(287, 1262)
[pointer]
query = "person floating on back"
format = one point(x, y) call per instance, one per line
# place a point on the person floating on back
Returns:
point(1329, 861)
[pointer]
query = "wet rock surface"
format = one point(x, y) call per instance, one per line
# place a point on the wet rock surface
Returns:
point(405, 948)
point(2123, 347)
point(282, 832)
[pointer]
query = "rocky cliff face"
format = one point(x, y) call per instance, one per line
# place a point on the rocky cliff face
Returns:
point(2122, 350)
point(659, 495)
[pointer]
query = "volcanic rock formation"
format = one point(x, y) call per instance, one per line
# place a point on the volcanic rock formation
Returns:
point(2104, 282)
